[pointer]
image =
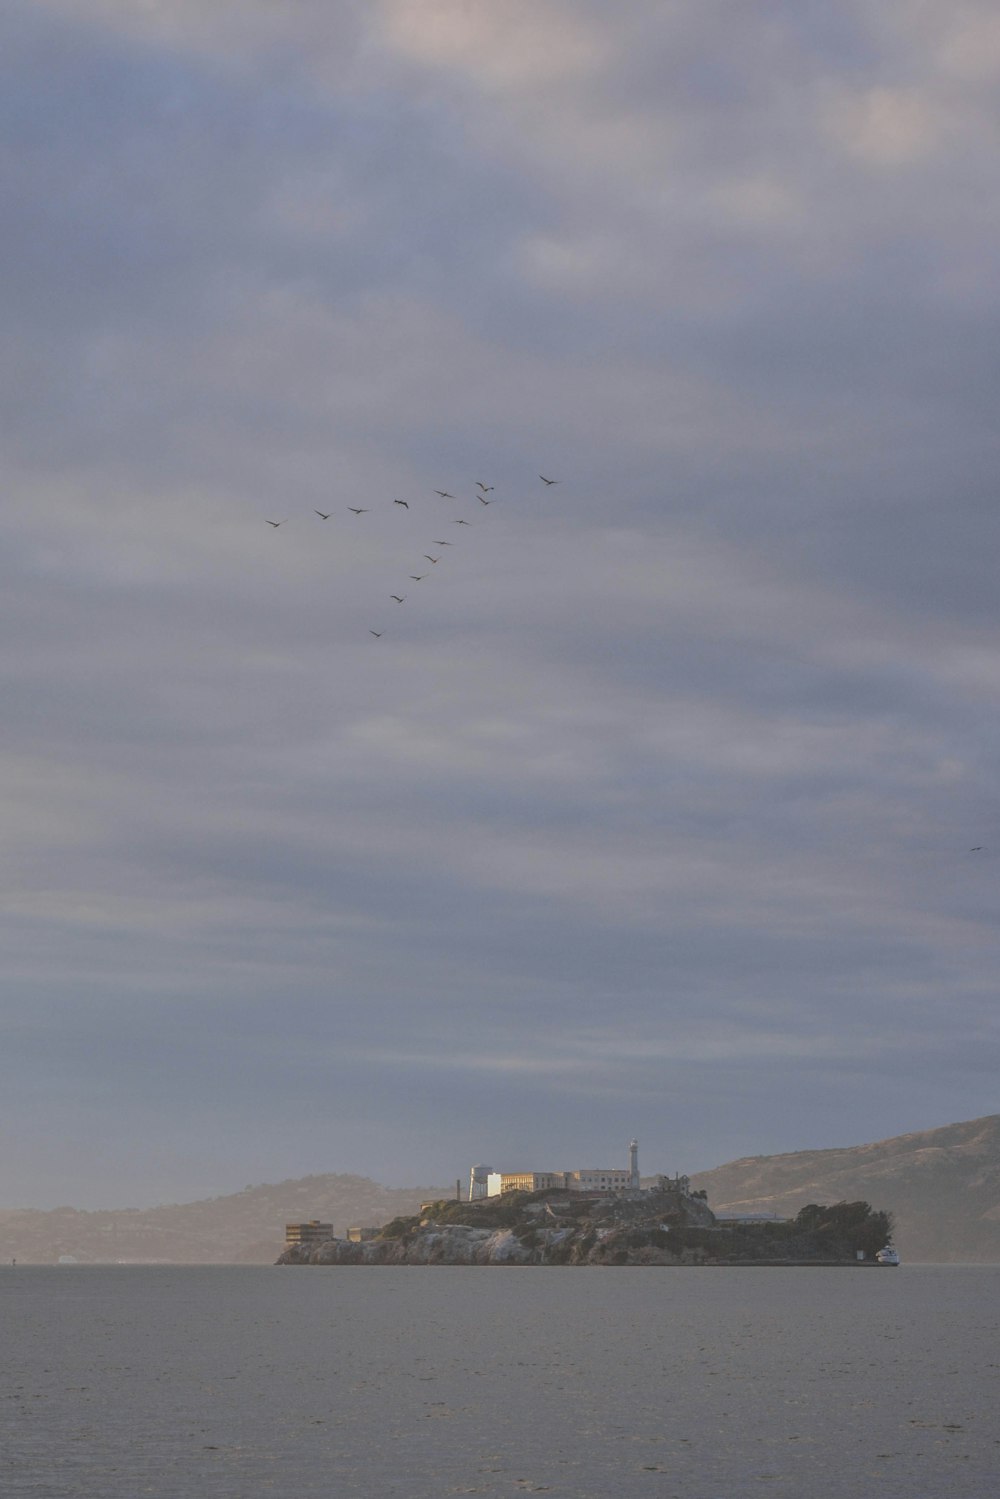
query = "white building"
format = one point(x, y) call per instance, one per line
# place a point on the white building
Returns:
point(609, 1179)
point(594, 1179)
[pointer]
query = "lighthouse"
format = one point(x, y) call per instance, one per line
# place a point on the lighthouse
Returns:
point(633, 1165)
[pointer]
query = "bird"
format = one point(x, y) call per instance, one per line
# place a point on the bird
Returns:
point(547, 481)
point(418, 579)
point(377, 633)
point(482, 500)
point(444, 494)
point(430, 558)
point(399, 597)
point(461, 523)
point(977, 850)
point(276, 523)
point(442, 543)
point(321, 515)
point(404, 503)
point(486, 488)
point(355, 511)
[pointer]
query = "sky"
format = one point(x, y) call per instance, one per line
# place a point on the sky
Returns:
point(666, 802)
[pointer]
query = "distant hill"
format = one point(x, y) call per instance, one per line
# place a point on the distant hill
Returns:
point(246, 1228)
point(942, 1185)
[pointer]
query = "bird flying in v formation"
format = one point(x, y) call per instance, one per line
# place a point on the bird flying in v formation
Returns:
point(482, 491)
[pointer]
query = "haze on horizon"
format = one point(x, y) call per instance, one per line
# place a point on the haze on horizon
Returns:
point(652, 810)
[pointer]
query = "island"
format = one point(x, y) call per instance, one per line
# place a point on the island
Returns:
point(664, 1225)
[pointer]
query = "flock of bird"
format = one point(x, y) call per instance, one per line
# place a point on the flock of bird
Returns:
point(482, 493)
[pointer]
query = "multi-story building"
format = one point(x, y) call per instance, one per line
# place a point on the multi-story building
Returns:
point(597, 1179)
point(312, 1232)
point(523, 1181)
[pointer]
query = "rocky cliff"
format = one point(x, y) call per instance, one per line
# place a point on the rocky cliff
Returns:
point(661, 1227)
point(540, 1228)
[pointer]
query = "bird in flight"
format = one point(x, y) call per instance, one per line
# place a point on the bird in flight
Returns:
point(483, 500)
point(404, 503)
point(276, 523)
point(442, 543)
point(547, 481)
point(377, 633)
point(486, 488)
point(399, 597)
point(444, 494)
point(461, 523)
point(430, 558)
point(418, 579)
point(321, 515)
point(355, 511)
point(977, 850)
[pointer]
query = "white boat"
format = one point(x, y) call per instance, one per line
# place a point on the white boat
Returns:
point(887, 1256)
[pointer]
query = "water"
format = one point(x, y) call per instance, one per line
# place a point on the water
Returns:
point(119, 1382)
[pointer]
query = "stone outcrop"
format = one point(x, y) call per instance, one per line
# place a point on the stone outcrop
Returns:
point(541, 1228)
point(668, 1225)
point(449, 1245)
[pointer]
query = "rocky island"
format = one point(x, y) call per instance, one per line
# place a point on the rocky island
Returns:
point(665, 1225)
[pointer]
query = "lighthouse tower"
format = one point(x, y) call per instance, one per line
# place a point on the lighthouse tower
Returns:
point(633, 1164)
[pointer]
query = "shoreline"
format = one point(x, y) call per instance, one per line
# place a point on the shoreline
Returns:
point(636, 1265)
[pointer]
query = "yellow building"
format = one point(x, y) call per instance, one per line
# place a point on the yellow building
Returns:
point(524, 1181)
point(597, 1179)
point(312, 1232)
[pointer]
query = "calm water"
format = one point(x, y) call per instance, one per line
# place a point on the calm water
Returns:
point(121, 1382)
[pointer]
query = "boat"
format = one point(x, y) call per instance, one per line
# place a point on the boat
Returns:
point(887, 1256)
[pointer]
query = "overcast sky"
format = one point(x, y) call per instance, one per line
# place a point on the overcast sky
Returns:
point(651, 809)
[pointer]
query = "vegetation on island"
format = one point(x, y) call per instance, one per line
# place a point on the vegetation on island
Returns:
point(667, 1226)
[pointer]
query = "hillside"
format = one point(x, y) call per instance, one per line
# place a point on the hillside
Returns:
point(247, 1227)
point(942, 1186)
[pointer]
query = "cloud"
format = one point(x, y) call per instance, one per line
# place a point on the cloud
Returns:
point(655, 798)
point(510, 49)
point(885, 127)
